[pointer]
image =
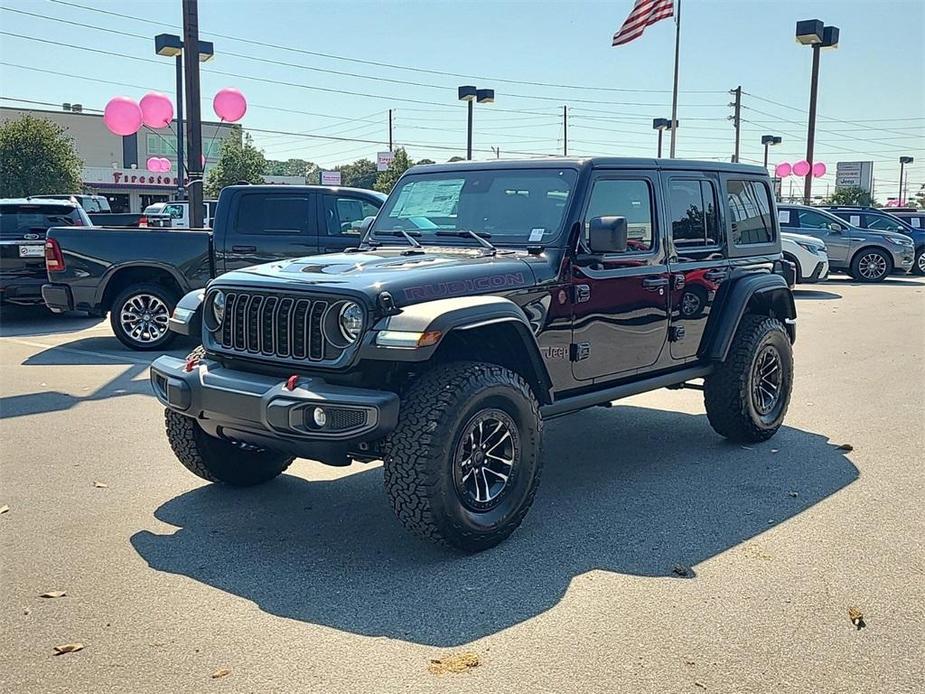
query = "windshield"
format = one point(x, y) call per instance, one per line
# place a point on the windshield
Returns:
point(509, 206)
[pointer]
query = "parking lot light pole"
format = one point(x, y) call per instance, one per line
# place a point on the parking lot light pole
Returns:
point(902, 167)
point(471, 95)
point(811, 32)
point(171, 46)
point(661, 125)
point(769, 141)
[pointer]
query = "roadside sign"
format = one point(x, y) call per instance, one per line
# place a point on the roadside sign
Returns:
point(384, 160)
point(854, 174)
point(330, 178)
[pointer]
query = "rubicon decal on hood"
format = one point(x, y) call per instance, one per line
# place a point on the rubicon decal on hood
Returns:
point(441, 290)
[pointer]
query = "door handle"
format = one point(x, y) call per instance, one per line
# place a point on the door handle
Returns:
point(244, 249)
point(654, 283)
point(716, 275)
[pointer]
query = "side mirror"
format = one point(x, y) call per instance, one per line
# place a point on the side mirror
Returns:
point(364, 225)
point(836, 227)
point(607, 234)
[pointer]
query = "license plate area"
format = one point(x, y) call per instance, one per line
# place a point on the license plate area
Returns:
point(32, 251)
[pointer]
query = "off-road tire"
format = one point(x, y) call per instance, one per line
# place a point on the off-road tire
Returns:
point(216, 460)
point(855, 271)
point(420, 455)
point(728, 393)
point(164, 295)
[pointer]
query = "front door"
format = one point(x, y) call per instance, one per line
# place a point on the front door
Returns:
point(837, 241)
point(342, 215)
point(697, 257)
point(620, 319)
point(266, 226)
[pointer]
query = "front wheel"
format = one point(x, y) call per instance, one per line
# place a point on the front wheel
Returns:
point(747, 396)
point(139, 316)
point(918, 267)
point(871, 265)
point(463, 464)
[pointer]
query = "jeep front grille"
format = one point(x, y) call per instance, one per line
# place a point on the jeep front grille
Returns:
point(277, 327)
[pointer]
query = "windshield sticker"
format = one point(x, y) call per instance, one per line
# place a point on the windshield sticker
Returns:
point(916, 222)
point(537, 234)
point(854, 220)
point(783, 216)
point(428, 199)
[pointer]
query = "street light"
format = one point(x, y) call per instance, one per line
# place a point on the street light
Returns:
point(902, 167)
point(769, 141)
point(811, 32)
point(171, 46)
point(661, 124)
point(471, 95)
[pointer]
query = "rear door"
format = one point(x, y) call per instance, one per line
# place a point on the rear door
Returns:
point(341, 215)
point(266, 226)
point(697, 256)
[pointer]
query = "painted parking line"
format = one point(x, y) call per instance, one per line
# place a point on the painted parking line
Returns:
point(120, 358)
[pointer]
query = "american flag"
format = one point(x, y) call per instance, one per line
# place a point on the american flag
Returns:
point(644, 13)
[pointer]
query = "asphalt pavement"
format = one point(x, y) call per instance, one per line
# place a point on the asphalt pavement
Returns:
point(657, 557)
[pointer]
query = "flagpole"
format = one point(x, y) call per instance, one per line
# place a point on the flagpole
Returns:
point(674, 93)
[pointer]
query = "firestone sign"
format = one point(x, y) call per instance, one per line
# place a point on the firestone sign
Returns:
point(102, 176)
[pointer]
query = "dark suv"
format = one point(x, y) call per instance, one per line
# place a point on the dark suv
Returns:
point(485, 299)
point(877, 220)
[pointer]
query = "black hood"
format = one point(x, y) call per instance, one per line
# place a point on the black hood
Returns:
point(409, 277)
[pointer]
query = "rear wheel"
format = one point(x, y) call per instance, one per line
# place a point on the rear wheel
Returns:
point(871, 265)
point(918, 267)
point(139, 316)
point(463, 464)
point(747, 396)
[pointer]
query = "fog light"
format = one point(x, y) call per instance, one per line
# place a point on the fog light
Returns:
point(320, 417)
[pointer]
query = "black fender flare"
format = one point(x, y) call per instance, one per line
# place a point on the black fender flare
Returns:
point(766, 292)
point(113, 271)
point(187, 315)
point(441, 318)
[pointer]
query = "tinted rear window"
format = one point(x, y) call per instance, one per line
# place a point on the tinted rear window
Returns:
point(16, 220)
point(272, 214)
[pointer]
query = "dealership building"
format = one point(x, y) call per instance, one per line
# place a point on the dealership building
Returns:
point(116, 166)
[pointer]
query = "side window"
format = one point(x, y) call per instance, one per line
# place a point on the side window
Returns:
point(272, 214)
point(343, 215)
point(750, 212)
point(630, 198)
point(175, 211)
point(881, 223)
point(693, 213)
point(814, 220)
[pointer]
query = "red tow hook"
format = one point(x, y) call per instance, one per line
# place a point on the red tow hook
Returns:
point(191, 363)
point(292, 382)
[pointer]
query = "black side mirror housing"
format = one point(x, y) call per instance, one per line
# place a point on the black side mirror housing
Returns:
point(364, 225)
point(607, 234)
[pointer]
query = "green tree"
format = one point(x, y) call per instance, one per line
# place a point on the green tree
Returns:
point(239, 161)
point(359, 174)
point(455, 159)
point(386, 179)
point(426, 161)
point(37, 157)
point(850, 196)
point(918, 199)
point(293, 167)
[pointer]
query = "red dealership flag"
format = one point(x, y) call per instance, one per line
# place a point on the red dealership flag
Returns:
point(645, 12)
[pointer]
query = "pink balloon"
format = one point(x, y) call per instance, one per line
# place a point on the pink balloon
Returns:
point(153, 163)
point(166, 164)
point(783, 170)
point(801, 168)
point(229, 104)
point(819, 169)
point(156, 110)
point(122, 116)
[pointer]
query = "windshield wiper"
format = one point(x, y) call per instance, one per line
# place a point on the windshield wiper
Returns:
point(408, 235)
point(480, 236)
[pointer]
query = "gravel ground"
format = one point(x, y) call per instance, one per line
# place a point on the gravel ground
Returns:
point(309, 584)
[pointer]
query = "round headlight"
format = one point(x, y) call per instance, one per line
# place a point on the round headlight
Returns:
point(351, 321)
point(218, 307)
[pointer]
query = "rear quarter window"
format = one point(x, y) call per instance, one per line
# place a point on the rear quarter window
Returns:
point(751, 221)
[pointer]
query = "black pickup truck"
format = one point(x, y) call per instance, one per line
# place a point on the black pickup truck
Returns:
point(139, 275)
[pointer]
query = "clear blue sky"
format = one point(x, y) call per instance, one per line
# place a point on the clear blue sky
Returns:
point(872, 104)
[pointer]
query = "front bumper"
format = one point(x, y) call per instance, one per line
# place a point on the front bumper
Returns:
point(820, 272)
point(260, 409)
point(903, 260)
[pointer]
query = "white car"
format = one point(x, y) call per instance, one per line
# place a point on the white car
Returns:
point(808, 254)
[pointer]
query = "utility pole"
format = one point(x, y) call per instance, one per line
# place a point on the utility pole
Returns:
point(811, 130)
point(736, 118)
point(193, 113)
point(497, 151)
point(565, 131)
point(181, 190)
point(390, 130)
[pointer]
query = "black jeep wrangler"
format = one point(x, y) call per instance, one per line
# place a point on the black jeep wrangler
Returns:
point(485, 299)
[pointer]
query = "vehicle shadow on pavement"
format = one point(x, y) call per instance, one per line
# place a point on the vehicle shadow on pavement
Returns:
point(31, 321)
point(629, 490)
point(815, 295)
point(893, 281)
